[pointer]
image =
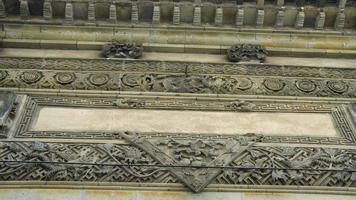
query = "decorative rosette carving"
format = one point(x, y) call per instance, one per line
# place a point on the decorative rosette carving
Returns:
point(30, 77)
point(246, 52)
point(3, 75)
point(244, 83)
point(337, 86)
point(65, 77)
point(119, 49)
point(305, 85)
point(130, 80)
point(274, 84)
point(98, 79)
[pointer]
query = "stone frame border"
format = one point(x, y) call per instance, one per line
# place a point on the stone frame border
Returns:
point(340, 115)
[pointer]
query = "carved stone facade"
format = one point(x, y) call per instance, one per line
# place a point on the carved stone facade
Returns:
point(203, 60)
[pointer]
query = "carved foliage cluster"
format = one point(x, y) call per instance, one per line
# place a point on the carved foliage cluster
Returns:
point(119, 49)
point(246, 52)
point(293, 166)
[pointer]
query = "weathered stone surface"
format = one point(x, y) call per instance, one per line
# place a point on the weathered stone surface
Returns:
point(107, 194)
point(287, 124)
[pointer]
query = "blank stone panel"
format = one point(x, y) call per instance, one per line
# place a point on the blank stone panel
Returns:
point(203, 122)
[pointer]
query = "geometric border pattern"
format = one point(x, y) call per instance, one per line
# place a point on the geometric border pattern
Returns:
point(339, 113)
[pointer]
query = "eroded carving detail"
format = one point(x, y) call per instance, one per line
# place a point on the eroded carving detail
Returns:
point(118, 49)
point(8, 106)
point(240, 105)
point(65, 77)
point(194, 162)
point(296, 166)
point(78, 162)
point(194, 156)
point(246, 52)
point(306, 85)
point(31, 77)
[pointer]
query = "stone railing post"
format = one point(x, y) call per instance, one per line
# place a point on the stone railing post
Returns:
point(218, 16)
point(197, 16)
point(299, 22)
point(340, 20)
point(24, 9)
point(239, 21)
point(112, 13)
point(2, 9)
point(91, 11)
point(69, 15)
point(280, 18)
point(342, 4)
point(156, 16)
point(176, 14)
point(320, 20)
point(47, 10)
point(260, 17)
point(134, 13)
point(280, 2)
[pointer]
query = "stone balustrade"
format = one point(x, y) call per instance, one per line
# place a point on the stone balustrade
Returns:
point(297, 14)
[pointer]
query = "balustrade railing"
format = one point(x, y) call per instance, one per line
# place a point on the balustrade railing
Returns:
point(280, 9)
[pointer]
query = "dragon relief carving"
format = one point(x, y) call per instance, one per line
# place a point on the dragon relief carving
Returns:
point(195, 162)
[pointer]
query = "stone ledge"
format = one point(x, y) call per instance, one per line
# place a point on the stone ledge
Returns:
point(175, 48)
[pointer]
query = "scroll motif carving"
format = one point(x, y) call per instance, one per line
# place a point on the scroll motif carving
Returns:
point(246, 52)
point(179, 83)
point(118, 49)
point(236, 160)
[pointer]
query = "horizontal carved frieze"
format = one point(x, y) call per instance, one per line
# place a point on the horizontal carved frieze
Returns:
point(194, 162)
point(154, 76)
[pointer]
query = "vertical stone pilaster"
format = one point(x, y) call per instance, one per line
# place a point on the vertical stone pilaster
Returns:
point(69, 15)
point(340, 20)
point(156, 16)
point(134, 13)
point(176, 14)
point(47, 10)
point(280, 18)
point(260, 17)
point(219, 16)
point(280, 2)
point(2, 9)
point(320, 20)
point(299, 22)
point(91, 11)
point(260, 3)
point(24, 10)
point(342, 4)
point(197, 16)
point(240, 17)
point(112, 13)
